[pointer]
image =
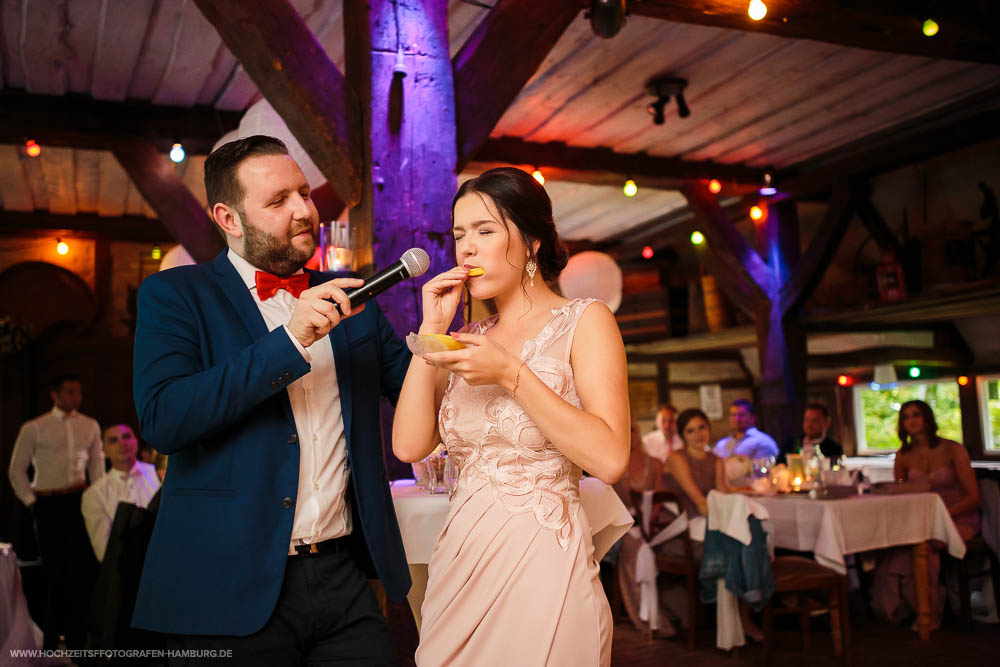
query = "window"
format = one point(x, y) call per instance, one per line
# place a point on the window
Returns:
point(877, 412)
point(989, 396)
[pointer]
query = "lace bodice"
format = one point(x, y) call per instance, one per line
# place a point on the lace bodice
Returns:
point(490, 438)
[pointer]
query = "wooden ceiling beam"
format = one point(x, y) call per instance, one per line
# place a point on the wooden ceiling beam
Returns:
point(497, 61)
point(88, 225)
point(967, 29)
point(603, 166)
point(79, 121)
point(166, 193)
point(291, 69)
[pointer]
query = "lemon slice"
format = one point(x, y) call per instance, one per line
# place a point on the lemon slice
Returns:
point(478, 271)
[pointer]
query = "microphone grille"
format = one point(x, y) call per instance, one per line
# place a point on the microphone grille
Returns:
point(416, 261)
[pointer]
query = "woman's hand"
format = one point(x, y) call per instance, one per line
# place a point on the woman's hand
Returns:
point(481, 362)
point(440, 296)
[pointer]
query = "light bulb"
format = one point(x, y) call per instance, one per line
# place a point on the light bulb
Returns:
point(756, 212)
point(757, 10)
point(156, 253)
point(647, 252)
point(930, 27)
point(61, 247)
point(537, 175)
point(177, 153)
point(697, 238)
point(630, 188)
point(31, 148)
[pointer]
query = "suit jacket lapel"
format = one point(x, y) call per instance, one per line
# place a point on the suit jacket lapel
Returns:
point(341, 361)
point(236, 291)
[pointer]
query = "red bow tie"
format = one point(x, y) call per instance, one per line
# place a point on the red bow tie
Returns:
point(268, 284)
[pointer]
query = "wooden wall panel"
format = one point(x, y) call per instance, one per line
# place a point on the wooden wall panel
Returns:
point(15, 192)
point(122, 36)
point(60, 179)
point(161, 36)
point(88, 180)
point(10, 40)
point(113, 185)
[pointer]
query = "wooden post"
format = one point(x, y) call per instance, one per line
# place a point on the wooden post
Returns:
point(408, 140)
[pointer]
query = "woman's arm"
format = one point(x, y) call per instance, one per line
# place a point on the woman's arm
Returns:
point(722, 479)
point(967, 476)
point(899, 468)
point(681, 470)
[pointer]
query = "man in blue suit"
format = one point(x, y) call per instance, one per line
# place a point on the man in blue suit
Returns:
point(275, 508)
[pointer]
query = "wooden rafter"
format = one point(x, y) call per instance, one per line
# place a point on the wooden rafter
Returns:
point(500, 57)
point(968, 29)
point(291, 69)
point(175, 206)
point(88, 225)
point(79, 121)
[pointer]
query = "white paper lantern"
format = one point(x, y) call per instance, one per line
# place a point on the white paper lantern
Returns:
point(261, 118)
point(176, 256)
point(592, 275)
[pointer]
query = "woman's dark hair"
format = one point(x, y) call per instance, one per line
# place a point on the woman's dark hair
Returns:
point(685, 417)
point(930, 426)
point(520, 199)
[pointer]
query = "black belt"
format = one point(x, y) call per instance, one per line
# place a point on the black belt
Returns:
point(336, 545)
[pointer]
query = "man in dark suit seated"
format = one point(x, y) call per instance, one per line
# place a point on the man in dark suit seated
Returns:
point(815, 427)
point(275, 507)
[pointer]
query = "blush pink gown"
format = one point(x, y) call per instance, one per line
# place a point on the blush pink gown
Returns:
point(513, 580)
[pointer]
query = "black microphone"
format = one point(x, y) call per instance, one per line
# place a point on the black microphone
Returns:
point(413, 263)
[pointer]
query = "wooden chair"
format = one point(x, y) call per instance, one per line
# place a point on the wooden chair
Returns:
point(976, 551)
point(795, 574)
point(686, 566)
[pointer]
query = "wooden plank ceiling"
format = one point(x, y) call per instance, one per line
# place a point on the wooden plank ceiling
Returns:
point(756, 99)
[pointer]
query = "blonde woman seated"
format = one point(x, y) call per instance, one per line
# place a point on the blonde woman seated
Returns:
point(925, 462)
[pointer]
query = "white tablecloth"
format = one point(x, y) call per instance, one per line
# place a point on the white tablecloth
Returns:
point(421, 517)
point(832, 529)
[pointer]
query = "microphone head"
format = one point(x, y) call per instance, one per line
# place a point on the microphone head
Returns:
point(415, 261)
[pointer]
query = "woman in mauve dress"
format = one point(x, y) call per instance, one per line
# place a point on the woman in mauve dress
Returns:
point(925, 462)
point(538, 394)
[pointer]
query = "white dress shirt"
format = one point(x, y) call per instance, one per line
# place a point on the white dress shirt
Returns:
point(100, 501)
point(754, 444)
point(321, 509)
point(655, 444)
point(62, 447)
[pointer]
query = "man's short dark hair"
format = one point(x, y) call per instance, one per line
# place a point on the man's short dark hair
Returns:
point(666, 406)
point(744, 403)
point(57, 382)
point(221, 182)
point(821, 407)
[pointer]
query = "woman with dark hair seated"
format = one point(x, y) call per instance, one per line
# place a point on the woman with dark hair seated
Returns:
point(925, 462)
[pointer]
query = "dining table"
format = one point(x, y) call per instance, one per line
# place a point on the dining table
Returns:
point(832, 529)
point(422, 515)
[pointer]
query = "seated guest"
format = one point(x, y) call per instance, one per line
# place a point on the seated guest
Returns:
point(129, 481)
point(745, 439)
point(149, 455)
point(925, 462)
point(815, 440)
point(664, 439)
point(643, 472)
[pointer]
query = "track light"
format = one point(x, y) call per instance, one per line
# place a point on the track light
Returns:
point(663, 88)
point(606, 17)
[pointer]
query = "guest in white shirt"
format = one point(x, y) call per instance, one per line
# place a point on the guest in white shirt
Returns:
point(64, 447)
point(744, 443)
point(128, 481)
point(664, 439)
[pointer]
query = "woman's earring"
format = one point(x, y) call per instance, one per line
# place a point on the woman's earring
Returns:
point(531, 267)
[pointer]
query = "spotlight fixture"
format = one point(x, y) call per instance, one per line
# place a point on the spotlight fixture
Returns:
point(768, 188)
point(177, 153)
point(757, 10)
point(537, 175)
point(697, 238)
point(714, 186)
point(663, 88)
point(61, 247)
point(31, 148)
point(930, 27)
point(606, 17)
point(647, 252)
point(630, 188)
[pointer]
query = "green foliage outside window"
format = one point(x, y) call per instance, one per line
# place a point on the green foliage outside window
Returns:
point(880, 410)
point(991, 395)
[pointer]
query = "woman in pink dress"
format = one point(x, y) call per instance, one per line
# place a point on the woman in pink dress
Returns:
point(925, 462)
point(538, 394)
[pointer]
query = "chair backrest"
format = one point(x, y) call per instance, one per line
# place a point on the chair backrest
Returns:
point(659, 497)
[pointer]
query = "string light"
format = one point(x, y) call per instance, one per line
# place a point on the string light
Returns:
point(156, 253)
point(647, 252)
point(697, 238)
point(845, 380)
point(757, 10)
point(537, 175)
point(714, 186)
point(914, 372)
point(31, 148)
point(963, 380)
point(756, 212)
point(630, 188)
point(61, 247)
point(930, 27)
point(177, 153)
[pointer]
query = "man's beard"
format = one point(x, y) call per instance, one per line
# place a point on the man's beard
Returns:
point(272, 254)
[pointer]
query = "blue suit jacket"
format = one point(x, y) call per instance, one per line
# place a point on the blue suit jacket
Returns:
point(209, 384)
